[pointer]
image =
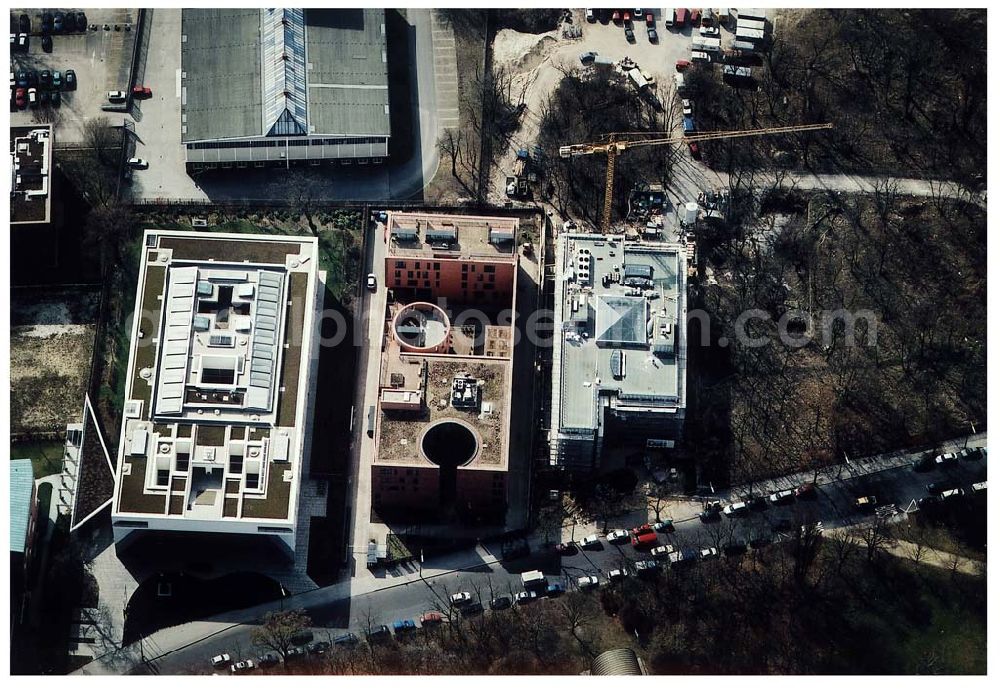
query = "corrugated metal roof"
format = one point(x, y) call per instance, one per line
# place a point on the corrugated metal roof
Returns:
point(616, 662)
point(22, 485)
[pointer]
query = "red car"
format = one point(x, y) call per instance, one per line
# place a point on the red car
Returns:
point(20, 97)
point(683, 65)
point(616, 17)
point(645, 540)
point(695, 152)
point(627, 18)
point(680, 17)
point(644, 529)
point(141, 92)
point(695, 17)
point(649, 20)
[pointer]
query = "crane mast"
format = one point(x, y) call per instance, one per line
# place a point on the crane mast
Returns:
point(619, 142)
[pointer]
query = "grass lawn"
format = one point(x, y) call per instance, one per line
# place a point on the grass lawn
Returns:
point(46, 455)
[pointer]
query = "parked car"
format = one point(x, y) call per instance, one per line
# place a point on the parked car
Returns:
point(928, 501)
point(117, 96)
point(952, 494)
point(652, 35)
point(524, 597)
point(588, 57)
point(242, 667)
point(665, 526)
point(268, 660)
point(460, 598)
point(297, 652)
point(587, 582)
point(662, 551)
point(57, 79)
point(616, 575)
point(500, 603)
point(629, 34)
point(627, 18)
point(43, 98)
point(21, 97)
point(21, 79)
point(645, 567)
point(695, 17)
point(33, 97)
point(700, 56)
point(687, 107)
point(709, 31)
point(640, 530)
point(45, 78)
point(924, 463)
point(971, 453)
point(708, 553)
point(47, 43)
point(649, 19)
point(946, 459)
point(431, 618)
point(645, 540)
point(806, 490)
point(70, 79)
point(58, 22)
point(81, 21)
point(710, 513)
point(682, 65)
point(591, 17)
point(346, 639)
point(69, 23)
point(555, 590)
point(979, 487)
point(618, 536)
point(141, 92)
point(865, 503)
point(565, 548)
point(318, 647)
point(24, 24)
point(379, 633)
point(590, 541)
point(736, 509)
point(616, 17)
point(371, 282)
point(32, 78)
point(221, 660)
point(403, 626)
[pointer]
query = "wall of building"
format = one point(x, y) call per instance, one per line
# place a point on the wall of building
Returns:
point(405, 487)
point(489, 282)
point(480, 492)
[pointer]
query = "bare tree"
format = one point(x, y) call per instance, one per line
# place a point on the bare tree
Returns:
point(278, 629)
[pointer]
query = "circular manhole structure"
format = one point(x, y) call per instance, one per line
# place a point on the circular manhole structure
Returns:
point(449, 444)
point(422, 328)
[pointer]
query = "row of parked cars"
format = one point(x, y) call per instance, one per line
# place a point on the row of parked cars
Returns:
point(33, 88)
point(54, 23)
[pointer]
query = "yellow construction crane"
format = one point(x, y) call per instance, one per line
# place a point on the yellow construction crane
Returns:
point(617, 142)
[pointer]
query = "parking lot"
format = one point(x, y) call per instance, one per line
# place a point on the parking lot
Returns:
point(101, 59)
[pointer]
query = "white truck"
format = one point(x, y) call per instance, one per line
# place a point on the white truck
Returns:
point(532, 579)
point(704, 43)
point(638, 80)
point(749, 34)
point(750, 24)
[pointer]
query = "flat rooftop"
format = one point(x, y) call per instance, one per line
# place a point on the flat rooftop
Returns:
point(30, 174)
point(284, 72)
point(432, 379)
point(215, 392)
point(622, 308)
point(421, 234)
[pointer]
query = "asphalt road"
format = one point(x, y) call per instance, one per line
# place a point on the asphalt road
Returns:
point(833, 506)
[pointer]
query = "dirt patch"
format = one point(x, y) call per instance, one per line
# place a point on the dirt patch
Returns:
point(51, 344)
point(520, 50)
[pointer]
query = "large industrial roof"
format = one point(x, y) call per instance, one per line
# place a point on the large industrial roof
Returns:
point(252, 73)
